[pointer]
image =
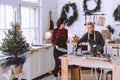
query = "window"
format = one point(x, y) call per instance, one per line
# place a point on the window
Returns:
point(28, 24)
point(6, 17)
point(25, 12)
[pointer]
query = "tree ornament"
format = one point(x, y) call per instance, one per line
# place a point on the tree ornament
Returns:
point(90, 12)
point(65, 10)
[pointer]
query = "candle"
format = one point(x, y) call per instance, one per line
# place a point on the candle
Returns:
point(81, 47)
point(117, 51)
point(90, 48)
point(106, 49)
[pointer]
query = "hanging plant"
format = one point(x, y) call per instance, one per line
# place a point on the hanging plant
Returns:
point(110, 29)
point(89, 12)
point(116, 14)
point(65, 10)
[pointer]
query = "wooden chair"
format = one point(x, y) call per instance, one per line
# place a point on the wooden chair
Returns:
point(109, 72)
point(117, 54)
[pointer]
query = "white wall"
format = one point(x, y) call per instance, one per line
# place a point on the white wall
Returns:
point(48, 5)
point(107, 7)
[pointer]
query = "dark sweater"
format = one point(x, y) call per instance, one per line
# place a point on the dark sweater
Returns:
point(99, 41)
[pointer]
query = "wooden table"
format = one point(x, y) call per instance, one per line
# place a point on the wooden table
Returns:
point(88, 62)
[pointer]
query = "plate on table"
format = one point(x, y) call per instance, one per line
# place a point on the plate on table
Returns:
point(104, 59)
point(79, 55)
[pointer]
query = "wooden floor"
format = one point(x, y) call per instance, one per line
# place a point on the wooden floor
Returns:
point(86, 76)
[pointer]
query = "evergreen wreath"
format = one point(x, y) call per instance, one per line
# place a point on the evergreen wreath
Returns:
point(65, 10)
point(116, 13)
point(90, 12)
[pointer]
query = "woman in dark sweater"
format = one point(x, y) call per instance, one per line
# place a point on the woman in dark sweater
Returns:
point(94, 38)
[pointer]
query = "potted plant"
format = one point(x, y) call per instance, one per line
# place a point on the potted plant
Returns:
point(14, 49)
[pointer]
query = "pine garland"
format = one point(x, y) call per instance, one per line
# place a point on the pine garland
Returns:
point(116, 13)
point(65, 10)
point(90, 12)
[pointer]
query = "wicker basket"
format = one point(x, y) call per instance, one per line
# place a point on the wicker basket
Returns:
point(18, 69)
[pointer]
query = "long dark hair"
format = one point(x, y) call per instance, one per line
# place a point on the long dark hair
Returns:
point(60, 21)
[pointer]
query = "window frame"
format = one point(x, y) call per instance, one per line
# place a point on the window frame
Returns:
point(17, 12)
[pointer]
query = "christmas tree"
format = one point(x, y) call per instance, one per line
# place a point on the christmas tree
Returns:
point(14, 47)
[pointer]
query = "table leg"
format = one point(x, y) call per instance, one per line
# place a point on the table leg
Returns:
point(64, 69)
point(116, 73)
point(76, 74)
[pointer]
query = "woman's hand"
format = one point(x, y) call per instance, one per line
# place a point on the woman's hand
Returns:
point(99, 53)
point(68, 41)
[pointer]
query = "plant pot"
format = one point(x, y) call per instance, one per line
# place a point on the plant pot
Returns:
point(18, 69)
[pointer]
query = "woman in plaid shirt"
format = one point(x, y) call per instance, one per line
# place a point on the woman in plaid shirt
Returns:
point(59, 39)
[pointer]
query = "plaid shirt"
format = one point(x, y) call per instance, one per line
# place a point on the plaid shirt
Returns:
point(59, 36)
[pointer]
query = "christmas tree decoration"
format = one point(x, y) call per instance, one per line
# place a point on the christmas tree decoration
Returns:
point(14, 48)
point(75, 39)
